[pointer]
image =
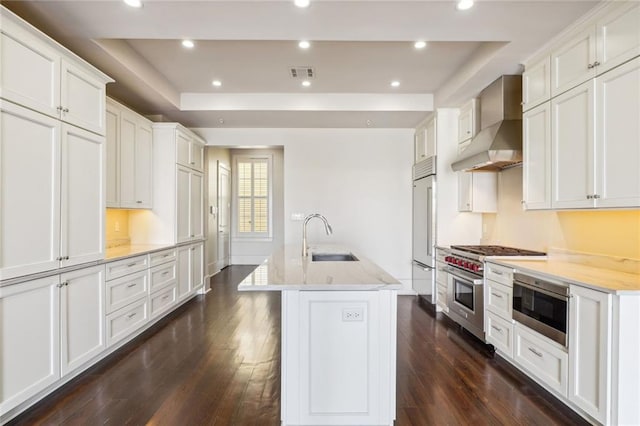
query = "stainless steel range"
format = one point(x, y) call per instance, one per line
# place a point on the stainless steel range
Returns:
point(465, 293)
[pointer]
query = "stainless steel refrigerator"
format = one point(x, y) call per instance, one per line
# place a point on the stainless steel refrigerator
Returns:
point(424, 200)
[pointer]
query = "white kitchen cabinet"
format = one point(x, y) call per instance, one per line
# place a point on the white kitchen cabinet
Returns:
point(82, 309)
point(190, 220)
point(617, 162)
point(536, 128)
point(597, 47)
point(196, 205)
point(189, 151)
point(468, 121)
point(190, 269)
point(425, 140)
point(536, 84)
point(589, 351)
point(572, 144)
point(129, 139)
point(197, 266)
point(39, 74)
point(122, 291)
point(540, 357)
point(124, 322)
point(29, 191)
point(477, 192)
point(499, 333)
point(30, 336)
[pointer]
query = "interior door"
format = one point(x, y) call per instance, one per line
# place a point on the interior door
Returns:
point(224, 215)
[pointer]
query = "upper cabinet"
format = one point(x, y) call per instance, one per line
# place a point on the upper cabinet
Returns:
point(189, 150)
point(581, 148)
point(468, 121)
point(425, 140)
point(536, 84)
point(129, 158)
point(597, 47)
point(39, 74)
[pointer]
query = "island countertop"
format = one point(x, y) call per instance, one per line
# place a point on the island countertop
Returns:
point(286, 269)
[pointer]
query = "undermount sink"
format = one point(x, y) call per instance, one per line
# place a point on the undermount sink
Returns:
point(333, 257)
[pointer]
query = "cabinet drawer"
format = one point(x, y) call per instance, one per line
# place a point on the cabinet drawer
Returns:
point(499, 299)
point(162, 257)
point(163, 300)
point(163, 275)
point(500, 334)
point(122, 291)
point(126, 320)
point(541, 358)
point(499, 274)
point(126, 266)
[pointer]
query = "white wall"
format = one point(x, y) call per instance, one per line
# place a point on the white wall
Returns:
point(360, 179)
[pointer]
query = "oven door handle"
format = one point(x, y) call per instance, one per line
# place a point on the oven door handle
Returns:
point(543, 291)
point(464, 276)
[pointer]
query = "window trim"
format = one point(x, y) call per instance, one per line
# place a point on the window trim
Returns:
point(253, 236)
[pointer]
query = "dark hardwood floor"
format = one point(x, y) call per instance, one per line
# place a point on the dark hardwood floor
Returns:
point(216, 361)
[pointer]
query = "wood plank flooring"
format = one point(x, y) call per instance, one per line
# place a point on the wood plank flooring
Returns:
point(216, 361)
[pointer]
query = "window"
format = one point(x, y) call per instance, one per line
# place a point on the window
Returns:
point(253, 196)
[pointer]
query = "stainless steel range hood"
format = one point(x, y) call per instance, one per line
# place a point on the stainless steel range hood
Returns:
point(499, 143)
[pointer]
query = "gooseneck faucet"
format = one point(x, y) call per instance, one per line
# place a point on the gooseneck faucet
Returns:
point(327, 228)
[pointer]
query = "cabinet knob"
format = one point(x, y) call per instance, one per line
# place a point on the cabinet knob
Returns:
point(596, 63)
point(589, 197)
point(65, 110)
point(139, 202)
point(595, 196)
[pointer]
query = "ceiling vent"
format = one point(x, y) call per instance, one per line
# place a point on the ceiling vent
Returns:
point(304, 73)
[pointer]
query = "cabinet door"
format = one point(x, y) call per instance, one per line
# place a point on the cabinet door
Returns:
point(430, 138)
point(183, 211)
point(128, 125)
point(196, 206)
point(29, 314)
point(197, 271)
point(617, 136)
point(536, 129)
point(536, 84)
point(572, 63)
point(82, 334)
point(572, 142)
point(82, 97)
point(143, 166)
point(183, 149)
point(113, 156)
point(589, 349)
point(464, 191)
point(29, 70)
point(466, 122)
point(197, 155)
point(618, 36)
point(29, 191)
point(82, 196)
point(184, 272)
point(420, 148)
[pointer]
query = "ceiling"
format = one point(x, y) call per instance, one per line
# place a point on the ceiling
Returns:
point(357, 48)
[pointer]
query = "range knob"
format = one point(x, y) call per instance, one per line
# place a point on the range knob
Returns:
point(465, 264)
point(475, 267)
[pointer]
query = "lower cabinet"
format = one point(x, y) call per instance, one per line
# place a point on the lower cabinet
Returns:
point(125, 321)
point(190, 269)
point(541, 358)
point(499, 332)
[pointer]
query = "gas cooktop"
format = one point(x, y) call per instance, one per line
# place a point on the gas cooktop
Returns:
point(497, 251)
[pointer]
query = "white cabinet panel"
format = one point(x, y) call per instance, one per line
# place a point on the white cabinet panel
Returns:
point(127, 159)
point(162, 275)
point(572, 143)
point(82, 317)
point(163, 300)
point(184, 272)
point(572, 62)
point(29, 192)
point(124, 267)
point(618, 36)
point(82, 98)
point(499, 333)
point(122, 291)
point(477, 192)
point(498, 299)
point(197, 155)
point(617, 166)
point(161, 257)
point(589, 351)
point(536, 84)
point(536, 127)
point(196, 199)
point(144, 158)
point(122, 323)
point(82, 196)
point(468, 121)
point(112, 131)
point(197, 263)
point(183, 194)
point(183, 149)
point(29, 314)
point(29, 70)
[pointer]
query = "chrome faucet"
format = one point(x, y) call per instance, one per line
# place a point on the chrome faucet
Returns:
point(327, 228)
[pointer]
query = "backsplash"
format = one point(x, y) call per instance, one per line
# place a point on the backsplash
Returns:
point(600, 232)
point(117, 228)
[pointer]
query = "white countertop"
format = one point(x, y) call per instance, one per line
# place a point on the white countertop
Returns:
point(129, 250)
point(286, 269)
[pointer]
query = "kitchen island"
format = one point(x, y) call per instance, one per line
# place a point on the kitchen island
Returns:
point(338, 363)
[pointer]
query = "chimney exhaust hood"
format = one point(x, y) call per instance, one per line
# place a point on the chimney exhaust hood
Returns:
point(499, 142)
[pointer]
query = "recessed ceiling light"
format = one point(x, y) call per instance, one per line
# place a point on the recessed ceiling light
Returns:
point(304, 44)
point(188, 44)
point(306, 83)
point(133, 3)
point(395, 83)
point(420, 44)
point(216, 83)
point(368, 123)
point(221, 120)
point(301, 3)
point(464, 4)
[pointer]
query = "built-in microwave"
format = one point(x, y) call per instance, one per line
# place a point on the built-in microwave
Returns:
point(542, 306)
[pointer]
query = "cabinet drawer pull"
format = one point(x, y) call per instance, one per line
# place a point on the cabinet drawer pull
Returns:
point(538, 354)
point(165, 297)
point(165, 273)
point(132, 285)
point(166, 255)
point(496, 295)
point(131, 315)
point(131, 264)
point(64, 284)
point(192, 162)
point(498, 329)
point(496, 272)
point(139, 202)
